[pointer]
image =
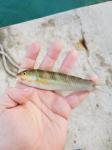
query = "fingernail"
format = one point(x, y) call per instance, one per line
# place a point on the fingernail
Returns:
point(93, 78)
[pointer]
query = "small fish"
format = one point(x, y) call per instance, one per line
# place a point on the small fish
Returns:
point(54, 81)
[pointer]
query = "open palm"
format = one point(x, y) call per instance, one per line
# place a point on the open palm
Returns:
point(34, 119)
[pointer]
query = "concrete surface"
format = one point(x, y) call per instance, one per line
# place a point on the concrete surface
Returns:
point(89, 31)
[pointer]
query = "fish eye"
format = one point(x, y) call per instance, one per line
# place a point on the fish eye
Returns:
point(24, 73)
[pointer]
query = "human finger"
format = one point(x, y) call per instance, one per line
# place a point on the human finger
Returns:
point(51, 56)
point(69, 61)
point(76, 98)
point(61, 107)
point(30, 57)
point(94, 78)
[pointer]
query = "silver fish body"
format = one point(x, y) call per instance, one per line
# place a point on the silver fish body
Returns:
point(54, 81)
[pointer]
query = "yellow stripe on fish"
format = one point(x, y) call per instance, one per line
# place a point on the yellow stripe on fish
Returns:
point(43, 81)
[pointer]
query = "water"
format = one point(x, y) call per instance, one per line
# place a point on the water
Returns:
point(15, 11)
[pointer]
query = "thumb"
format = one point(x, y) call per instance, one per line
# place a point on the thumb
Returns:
point(76, 98)
point(20, 96)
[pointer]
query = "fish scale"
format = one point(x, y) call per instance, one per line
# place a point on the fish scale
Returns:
point(48, 80)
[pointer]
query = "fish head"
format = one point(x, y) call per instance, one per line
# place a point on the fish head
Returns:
point(27, 76)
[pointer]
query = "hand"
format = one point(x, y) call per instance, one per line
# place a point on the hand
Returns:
point(33, 119)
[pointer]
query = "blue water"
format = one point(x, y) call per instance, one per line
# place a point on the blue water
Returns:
point(15, 11)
